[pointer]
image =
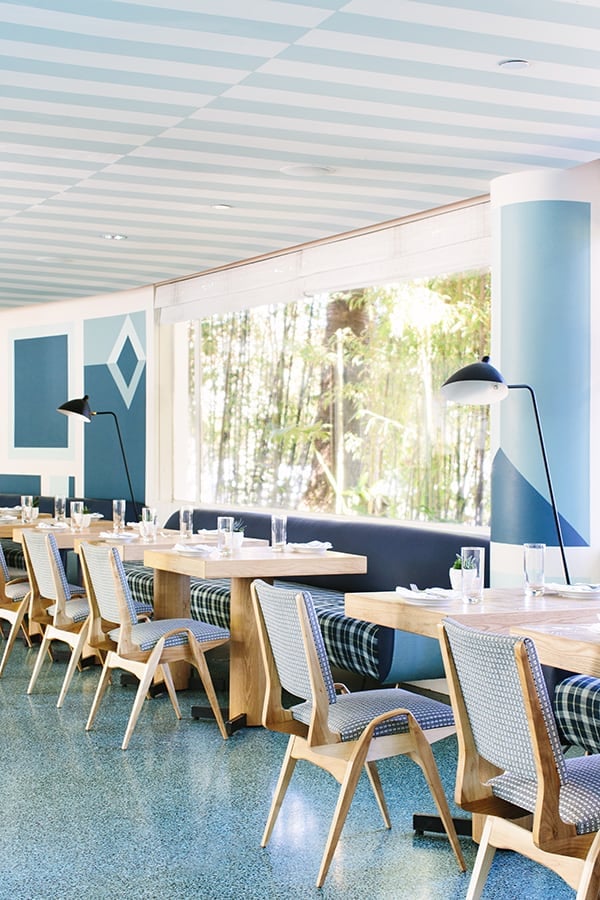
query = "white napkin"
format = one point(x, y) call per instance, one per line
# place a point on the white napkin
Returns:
point(312, 545)
point(574, 588)
point(53, 526)
point(433, 593)
point(200, 549)
point(117, 536)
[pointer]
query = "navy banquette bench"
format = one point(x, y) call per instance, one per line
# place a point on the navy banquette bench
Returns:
point(398, 554)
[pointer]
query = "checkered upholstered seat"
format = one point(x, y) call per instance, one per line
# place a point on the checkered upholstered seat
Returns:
point(577, 710)
point(14, 593)
point(378, 724)
point(141, 647)
point(511, 760)
point(61, 608)
point(352, 645)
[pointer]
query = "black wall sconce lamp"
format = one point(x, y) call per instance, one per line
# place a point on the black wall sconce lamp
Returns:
point(81, 409)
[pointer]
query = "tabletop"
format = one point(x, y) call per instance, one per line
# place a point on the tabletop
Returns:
point(500, 609)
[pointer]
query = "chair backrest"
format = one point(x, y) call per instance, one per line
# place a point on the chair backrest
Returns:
point(281, 610)
point(509, 719)
point(107, 585)
point(4, 573)
point(46, 574)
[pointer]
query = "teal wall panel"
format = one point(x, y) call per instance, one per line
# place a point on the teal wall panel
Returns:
point(40, 386)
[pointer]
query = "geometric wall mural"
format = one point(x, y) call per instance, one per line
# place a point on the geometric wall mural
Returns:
point(115, 380)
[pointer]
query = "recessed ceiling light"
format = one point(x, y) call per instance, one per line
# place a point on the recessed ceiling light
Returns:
point(306, 171)
point(221, 206)
point(513, 65)
point(114, 236)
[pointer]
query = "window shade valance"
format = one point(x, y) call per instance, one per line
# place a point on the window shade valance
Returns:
point(442, 241)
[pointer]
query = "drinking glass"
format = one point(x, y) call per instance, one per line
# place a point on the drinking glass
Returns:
point(76, 510)
point(278, 532)
point(60, 509)
point(225, 534)
point(148, 524)
point(533, 567)
point(473, 570)
point(118, 515)
point(26, 508)
point(186, 522)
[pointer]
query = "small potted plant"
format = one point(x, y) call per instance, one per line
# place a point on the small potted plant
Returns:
point(237, 538)
point(456, 572)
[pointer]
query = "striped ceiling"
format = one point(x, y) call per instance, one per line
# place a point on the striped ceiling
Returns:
point(140, 117)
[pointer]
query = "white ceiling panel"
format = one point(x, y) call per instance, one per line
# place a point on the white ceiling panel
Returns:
point(139, 116)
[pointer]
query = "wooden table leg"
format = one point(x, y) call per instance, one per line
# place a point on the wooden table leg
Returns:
point(172, 601)
point(246, 675)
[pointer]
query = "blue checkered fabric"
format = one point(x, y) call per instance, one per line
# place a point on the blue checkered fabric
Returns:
point(45, 560)
point(351, 644)
point(14, 556)
point(489, 680)
point(349, 714)
point(12, 591)
point(577, 711)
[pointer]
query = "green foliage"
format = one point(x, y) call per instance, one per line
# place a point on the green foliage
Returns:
point(333, 403)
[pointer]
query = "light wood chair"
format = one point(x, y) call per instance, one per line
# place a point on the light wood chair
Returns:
point(511, 768)
point(340, 733)
point(141, 647)
point(60, 608)
point(14, 601)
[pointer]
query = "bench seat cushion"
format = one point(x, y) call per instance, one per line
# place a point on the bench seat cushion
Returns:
point(577, 711)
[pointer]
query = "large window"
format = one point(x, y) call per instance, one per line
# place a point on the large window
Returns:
point(332, 403)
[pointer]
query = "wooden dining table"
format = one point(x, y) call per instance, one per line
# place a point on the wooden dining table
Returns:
point(502, 609)
point(172, 572)
point(558, 625)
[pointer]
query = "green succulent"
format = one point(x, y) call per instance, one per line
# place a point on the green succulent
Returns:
point(469, 562)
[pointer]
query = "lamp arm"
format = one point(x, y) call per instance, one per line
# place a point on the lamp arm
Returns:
point(114, 415)
point(527, 387)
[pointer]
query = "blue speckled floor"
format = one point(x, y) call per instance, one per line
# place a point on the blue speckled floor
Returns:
point(181, 813)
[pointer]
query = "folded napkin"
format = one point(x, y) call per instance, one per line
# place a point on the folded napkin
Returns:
point(573, 588)
point(53, 526)
point(311, 545)
point(117, 536)
point(199, 549)
point(428, 593)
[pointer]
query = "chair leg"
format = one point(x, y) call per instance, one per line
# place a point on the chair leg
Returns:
point(209, 687)
point(373, 773)
point(168, 680)
point(100, 690)
point(589, 884)
point(44, 648)
point(287, 770)
point(14, 631)
point(150, 668)
point(73, 662)
point(347, 789)
point(483, 862)
point(424, 758)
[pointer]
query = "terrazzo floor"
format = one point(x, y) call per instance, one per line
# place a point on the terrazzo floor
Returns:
point(180, 814)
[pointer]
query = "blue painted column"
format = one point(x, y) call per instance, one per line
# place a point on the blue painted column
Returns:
point(545, 236)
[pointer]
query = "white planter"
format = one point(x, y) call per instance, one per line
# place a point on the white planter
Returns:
point(237, 539)
point(456, 579)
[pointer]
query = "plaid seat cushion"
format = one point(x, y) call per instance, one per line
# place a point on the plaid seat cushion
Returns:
point(147, 634)
point(77, 610)
point(577, 711)
point(351, 644)
point(579, 802)
point(351, 713)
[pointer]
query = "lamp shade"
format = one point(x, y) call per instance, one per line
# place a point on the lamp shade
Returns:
point(478, 383)
point(79, 408)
